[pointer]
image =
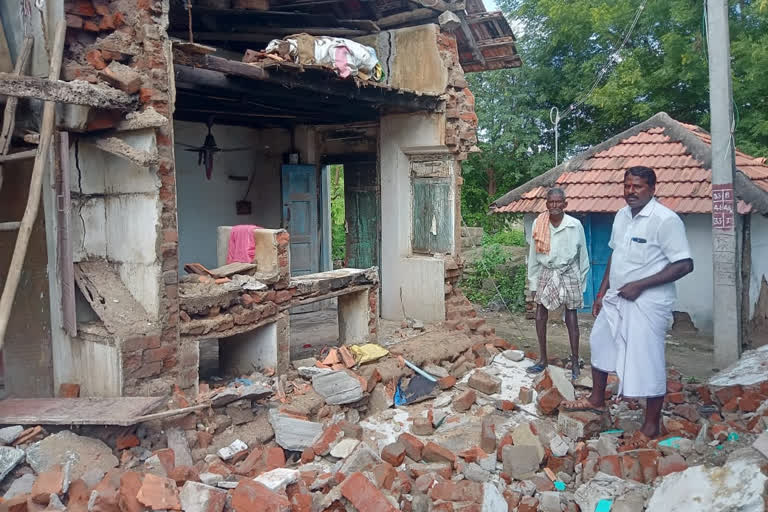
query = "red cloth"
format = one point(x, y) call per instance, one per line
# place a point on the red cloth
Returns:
point(242, 246)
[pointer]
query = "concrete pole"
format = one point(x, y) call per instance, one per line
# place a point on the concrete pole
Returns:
point(727, 332)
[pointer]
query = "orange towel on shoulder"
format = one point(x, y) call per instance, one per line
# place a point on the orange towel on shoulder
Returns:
point(541, 234)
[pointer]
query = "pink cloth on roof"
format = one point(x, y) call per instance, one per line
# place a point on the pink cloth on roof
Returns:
point(242, 246)
point(341, 61)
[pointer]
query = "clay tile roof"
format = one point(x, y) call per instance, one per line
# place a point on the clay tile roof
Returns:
point(678, 152)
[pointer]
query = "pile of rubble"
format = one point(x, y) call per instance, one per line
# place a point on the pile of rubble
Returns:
point(484, 437)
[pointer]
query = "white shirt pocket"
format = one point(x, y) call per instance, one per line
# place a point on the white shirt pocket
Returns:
point(637, 249)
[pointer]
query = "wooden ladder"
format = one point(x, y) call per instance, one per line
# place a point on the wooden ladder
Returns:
point(41, 155)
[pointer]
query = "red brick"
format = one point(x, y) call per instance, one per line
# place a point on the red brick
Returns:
point(167, 458)
point(79, 494)
point(250, 495)
point(688, 411)
point(750, 401)
point(528, 504)
point(472, 454)
point(69, 390)
point(364, 495)
point(674, 386)
point(141, 343)
point(506, 405)
point(719, 431)
point(631, 468)
point(648, 460)
point(542, 483)
point(435, 453)
point(611, 465)
point(463, 490)
point(146, 94)
point(274, 458)
point(704, 394)
point(181, 474)
point(393, 453)
point(204, 439)
point(331, 434)
point(308, 455)
point(505, 440)
point(47, 483)
point(74, 21)
point(80, 7)
point(385, 475)
point(549, 400)
point(671, 464)
point(542, 382)
point(107, 22)
point(159, 493)
point(130, 485)
point(465, 401)
point(90, 26)
point(484, 383)
point(254, 461)
point(447, 382)
point(158, 354)
point(488, 435)
point(413, 447)
point(126, 441)
point(725, 395)
point(675, 398)
point(95, 59)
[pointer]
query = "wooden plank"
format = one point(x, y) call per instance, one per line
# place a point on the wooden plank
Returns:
point(35, 188)
point(232, 269)
point(121, 411)
point(21, 155)
point(5, 53)
point(77, 93)
point(402, 18)
point(64, 236)
point(9, 226)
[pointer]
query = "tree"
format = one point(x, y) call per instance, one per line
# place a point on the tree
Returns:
point(567, 44)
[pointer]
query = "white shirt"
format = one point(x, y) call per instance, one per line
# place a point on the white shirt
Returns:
point(566, 243)
point(645, 244)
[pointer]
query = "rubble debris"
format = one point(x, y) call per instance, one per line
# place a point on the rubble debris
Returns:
point(9, 458)
point(83, 453)
point(605, 487)
point(338, 387)
point(278, 478)
point(343, 448)
point(484, 383)
point(10, 434)
point(198, 497)
point(292, 433)
point(230, 451)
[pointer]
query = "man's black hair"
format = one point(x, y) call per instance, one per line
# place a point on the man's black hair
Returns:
point(644, 172)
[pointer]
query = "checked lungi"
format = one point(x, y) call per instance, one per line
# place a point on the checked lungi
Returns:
point(560, 286)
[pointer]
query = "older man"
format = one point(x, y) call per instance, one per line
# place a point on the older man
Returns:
point(635, 301)
point(558, 265)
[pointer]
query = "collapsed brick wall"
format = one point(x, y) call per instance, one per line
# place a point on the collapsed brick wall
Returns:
point(460, 137)
point(125, 44)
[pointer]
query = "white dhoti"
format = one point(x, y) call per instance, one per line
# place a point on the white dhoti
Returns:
point(628, 339)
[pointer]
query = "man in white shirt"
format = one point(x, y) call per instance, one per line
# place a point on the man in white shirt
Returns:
point(558, 264)
point(635, 301)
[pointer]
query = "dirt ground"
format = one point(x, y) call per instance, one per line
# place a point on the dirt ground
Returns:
point(693, 356)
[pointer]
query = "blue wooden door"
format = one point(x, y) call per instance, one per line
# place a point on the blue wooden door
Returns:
point(300, 217)
point(597, 228)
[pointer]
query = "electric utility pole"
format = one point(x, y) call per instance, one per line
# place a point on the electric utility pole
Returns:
point(726, 307)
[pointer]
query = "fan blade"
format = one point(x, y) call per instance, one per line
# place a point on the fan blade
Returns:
point(209, 165)
point(185, 144)
point(236, 149)
point(197, 150)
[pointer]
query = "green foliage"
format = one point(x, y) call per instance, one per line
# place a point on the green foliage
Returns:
point(565, 44)
point(338, 231)
point(495, 281)
point(514, 237)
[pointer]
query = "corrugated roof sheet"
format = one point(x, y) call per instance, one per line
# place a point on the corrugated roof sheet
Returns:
point(684, 183)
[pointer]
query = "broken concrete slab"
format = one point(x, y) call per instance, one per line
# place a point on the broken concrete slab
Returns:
point(338, 387)
point(562, 382)
point(484, 382)
point(737, 485)
point(523, 436)
point(761, 444)
point(229, 395)
point(9, 459)
point(177, 441)
point(514, 355)
point(748, 370)
point(199, 497)
point(278, 479)
point(292, 433)
point(230, 451)
point(21, 485)
point(559, 446)
point(493, 501)
point(83, 453)
point(475, 473)
point(582, 424)
point(9, 434)
point(520, 462)
point(309, 372)
point(363, 458)
point(608, 487)
point(344, 448)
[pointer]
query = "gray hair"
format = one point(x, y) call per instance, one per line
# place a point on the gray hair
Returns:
point(556, 191)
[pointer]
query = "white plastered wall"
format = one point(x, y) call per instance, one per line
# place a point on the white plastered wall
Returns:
point(759, 268)
point(411, 283)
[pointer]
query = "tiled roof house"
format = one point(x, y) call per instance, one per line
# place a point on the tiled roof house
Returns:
point(680, 154)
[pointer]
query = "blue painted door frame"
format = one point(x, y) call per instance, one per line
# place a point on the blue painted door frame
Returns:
point(300, 214)
point(597, 229)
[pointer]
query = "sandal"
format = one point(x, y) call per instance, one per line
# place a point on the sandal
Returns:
point(637, 441)
point(582, 404)
point(536, 368)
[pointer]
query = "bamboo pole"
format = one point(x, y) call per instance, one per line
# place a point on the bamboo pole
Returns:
point(35, 186)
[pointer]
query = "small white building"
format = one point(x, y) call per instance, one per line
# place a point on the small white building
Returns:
point(680, 154)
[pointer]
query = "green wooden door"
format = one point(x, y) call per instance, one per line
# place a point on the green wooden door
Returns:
point(432, 226)
point(361, 197)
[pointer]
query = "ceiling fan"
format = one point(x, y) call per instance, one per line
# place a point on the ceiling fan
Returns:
point(208, 149)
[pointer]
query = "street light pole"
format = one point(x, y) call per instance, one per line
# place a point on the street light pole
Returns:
point(726, 307)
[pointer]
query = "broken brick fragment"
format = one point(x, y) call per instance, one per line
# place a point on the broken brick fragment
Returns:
point(47, 483)
point(461, 491)
point(446, 382)
point(126, 441)
point(542, 382)
point(488, 435)
point(465, 401)
point(525, 396)
point(671, 464)
point(249, 496)
point(394, 453)
point(433, 452)
point(413, 447)
point(364, 495)
point(69, 390)
point(385, 475)
point(422, 427)
point(159, 493)
point(549, 400)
